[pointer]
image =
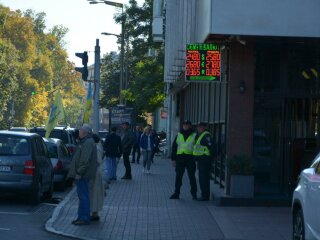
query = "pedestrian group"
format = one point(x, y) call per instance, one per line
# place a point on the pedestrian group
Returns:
point(190, 149)
point(94, 166)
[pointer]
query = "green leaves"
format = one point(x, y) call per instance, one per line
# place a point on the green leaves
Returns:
point(145, 91)
point(31, 58)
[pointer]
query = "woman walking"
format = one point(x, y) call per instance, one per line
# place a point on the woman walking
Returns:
point(147, 144)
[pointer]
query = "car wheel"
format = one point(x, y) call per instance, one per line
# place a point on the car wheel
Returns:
point(298, 225)
point(35, 195)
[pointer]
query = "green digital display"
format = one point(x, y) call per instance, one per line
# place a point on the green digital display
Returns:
point(203, 62)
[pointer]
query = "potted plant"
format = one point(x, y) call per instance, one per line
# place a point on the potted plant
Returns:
point(240, 168)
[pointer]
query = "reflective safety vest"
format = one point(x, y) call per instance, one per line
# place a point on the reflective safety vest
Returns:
point(185, 147)
point(198, 149)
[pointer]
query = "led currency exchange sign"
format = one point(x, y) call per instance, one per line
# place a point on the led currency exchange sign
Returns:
point(203, 62)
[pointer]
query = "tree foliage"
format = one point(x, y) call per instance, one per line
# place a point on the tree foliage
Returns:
point(33, 60)
point(145, 87)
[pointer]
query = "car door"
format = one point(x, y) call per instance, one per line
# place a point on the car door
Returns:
point(45, 166)
point(311, 205)
point(64, 156)
point(315, 198)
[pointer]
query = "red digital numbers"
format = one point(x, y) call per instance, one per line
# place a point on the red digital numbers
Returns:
point(213, 56)
point(213, 72)
point(203, 63)
point(193, 72)
point(193, 63)
point(193, 56)
point(213, 63)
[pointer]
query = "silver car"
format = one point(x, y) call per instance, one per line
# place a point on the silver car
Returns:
point(25, 166)
point(305, 203)
point(60, 158)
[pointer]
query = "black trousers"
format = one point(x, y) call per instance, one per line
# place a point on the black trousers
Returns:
point(136, 148)
point(190, 165)
point(204, 167)
point(127, 164)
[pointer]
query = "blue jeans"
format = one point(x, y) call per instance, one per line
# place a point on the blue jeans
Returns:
point(84, 201)
point(147, 157)
point(111, 168)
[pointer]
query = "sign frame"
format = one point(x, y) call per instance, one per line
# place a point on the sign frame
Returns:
point(200, 56)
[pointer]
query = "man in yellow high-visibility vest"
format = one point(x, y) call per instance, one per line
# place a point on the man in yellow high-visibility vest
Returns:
point(203, 152)
point(182, 159)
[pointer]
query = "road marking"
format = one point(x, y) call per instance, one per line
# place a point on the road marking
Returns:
point(15, 213)
point(5, 229)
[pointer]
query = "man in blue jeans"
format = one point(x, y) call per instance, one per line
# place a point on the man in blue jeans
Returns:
point(112, 149)
point(83, 169)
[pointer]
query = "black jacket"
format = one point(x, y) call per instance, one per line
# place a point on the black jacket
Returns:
point(127, 141)
point(174, 156)
point(112, 145)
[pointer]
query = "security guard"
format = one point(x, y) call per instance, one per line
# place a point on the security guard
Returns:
point(203, 152)
point(182, 158)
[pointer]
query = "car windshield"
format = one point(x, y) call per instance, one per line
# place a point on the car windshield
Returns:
point(60, 135)
point(14, 145)
point(52, 149)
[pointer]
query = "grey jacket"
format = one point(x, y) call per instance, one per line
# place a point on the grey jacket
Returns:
point(84, 161)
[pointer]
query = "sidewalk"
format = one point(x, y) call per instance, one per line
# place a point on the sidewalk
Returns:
point(140, 209)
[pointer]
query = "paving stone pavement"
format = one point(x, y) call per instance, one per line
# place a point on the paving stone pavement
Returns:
point(140, 209)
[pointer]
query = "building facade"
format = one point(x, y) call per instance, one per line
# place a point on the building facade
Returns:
point(266, 104)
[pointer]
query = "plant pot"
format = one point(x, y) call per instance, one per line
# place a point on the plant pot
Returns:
point(242, 186)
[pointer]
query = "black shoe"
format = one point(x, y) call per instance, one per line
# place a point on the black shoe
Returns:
point(80, 222)
point(132, 161)
point(203, 199)
point(95, 218)
point(74, 221)
point(127, 177)
point(175, 196)
point(194, 197)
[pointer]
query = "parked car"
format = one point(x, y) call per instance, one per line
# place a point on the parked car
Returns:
point(305, 203)
point(103, 134)
point(19, 129)
point(67, 135)
point(25, 166)
point(60, 159)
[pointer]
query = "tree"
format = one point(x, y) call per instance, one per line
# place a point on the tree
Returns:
point(8, 81)
point(32, 60)
point(110, 80)
point(145, 90)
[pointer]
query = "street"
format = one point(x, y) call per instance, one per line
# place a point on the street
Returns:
point(20, 220)
point(140, 209)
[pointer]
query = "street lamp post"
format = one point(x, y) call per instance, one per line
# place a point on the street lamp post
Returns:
point(119, 5)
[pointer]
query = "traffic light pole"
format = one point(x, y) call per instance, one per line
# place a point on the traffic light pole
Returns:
point(122, 60)
point(96, 119)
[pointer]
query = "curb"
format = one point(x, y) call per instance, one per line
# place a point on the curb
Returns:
point(49, 224)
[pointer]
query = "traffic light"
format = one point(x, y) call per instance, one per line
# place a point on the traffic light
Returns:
point(83, 70)
point(33, 92)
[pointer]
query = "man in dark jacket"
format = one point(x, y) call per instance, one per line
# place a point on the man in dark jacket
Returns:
point(113, 150)
point(204, 152)
point(136, 146)
point(182, 158)
point(83, 169)
point(127, 141)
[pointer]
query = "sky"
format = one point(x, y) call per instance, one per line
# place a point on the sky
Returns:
point(85, 23)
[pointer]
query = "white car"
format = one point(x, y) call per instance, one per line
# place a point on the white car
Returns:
point(306, 204)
